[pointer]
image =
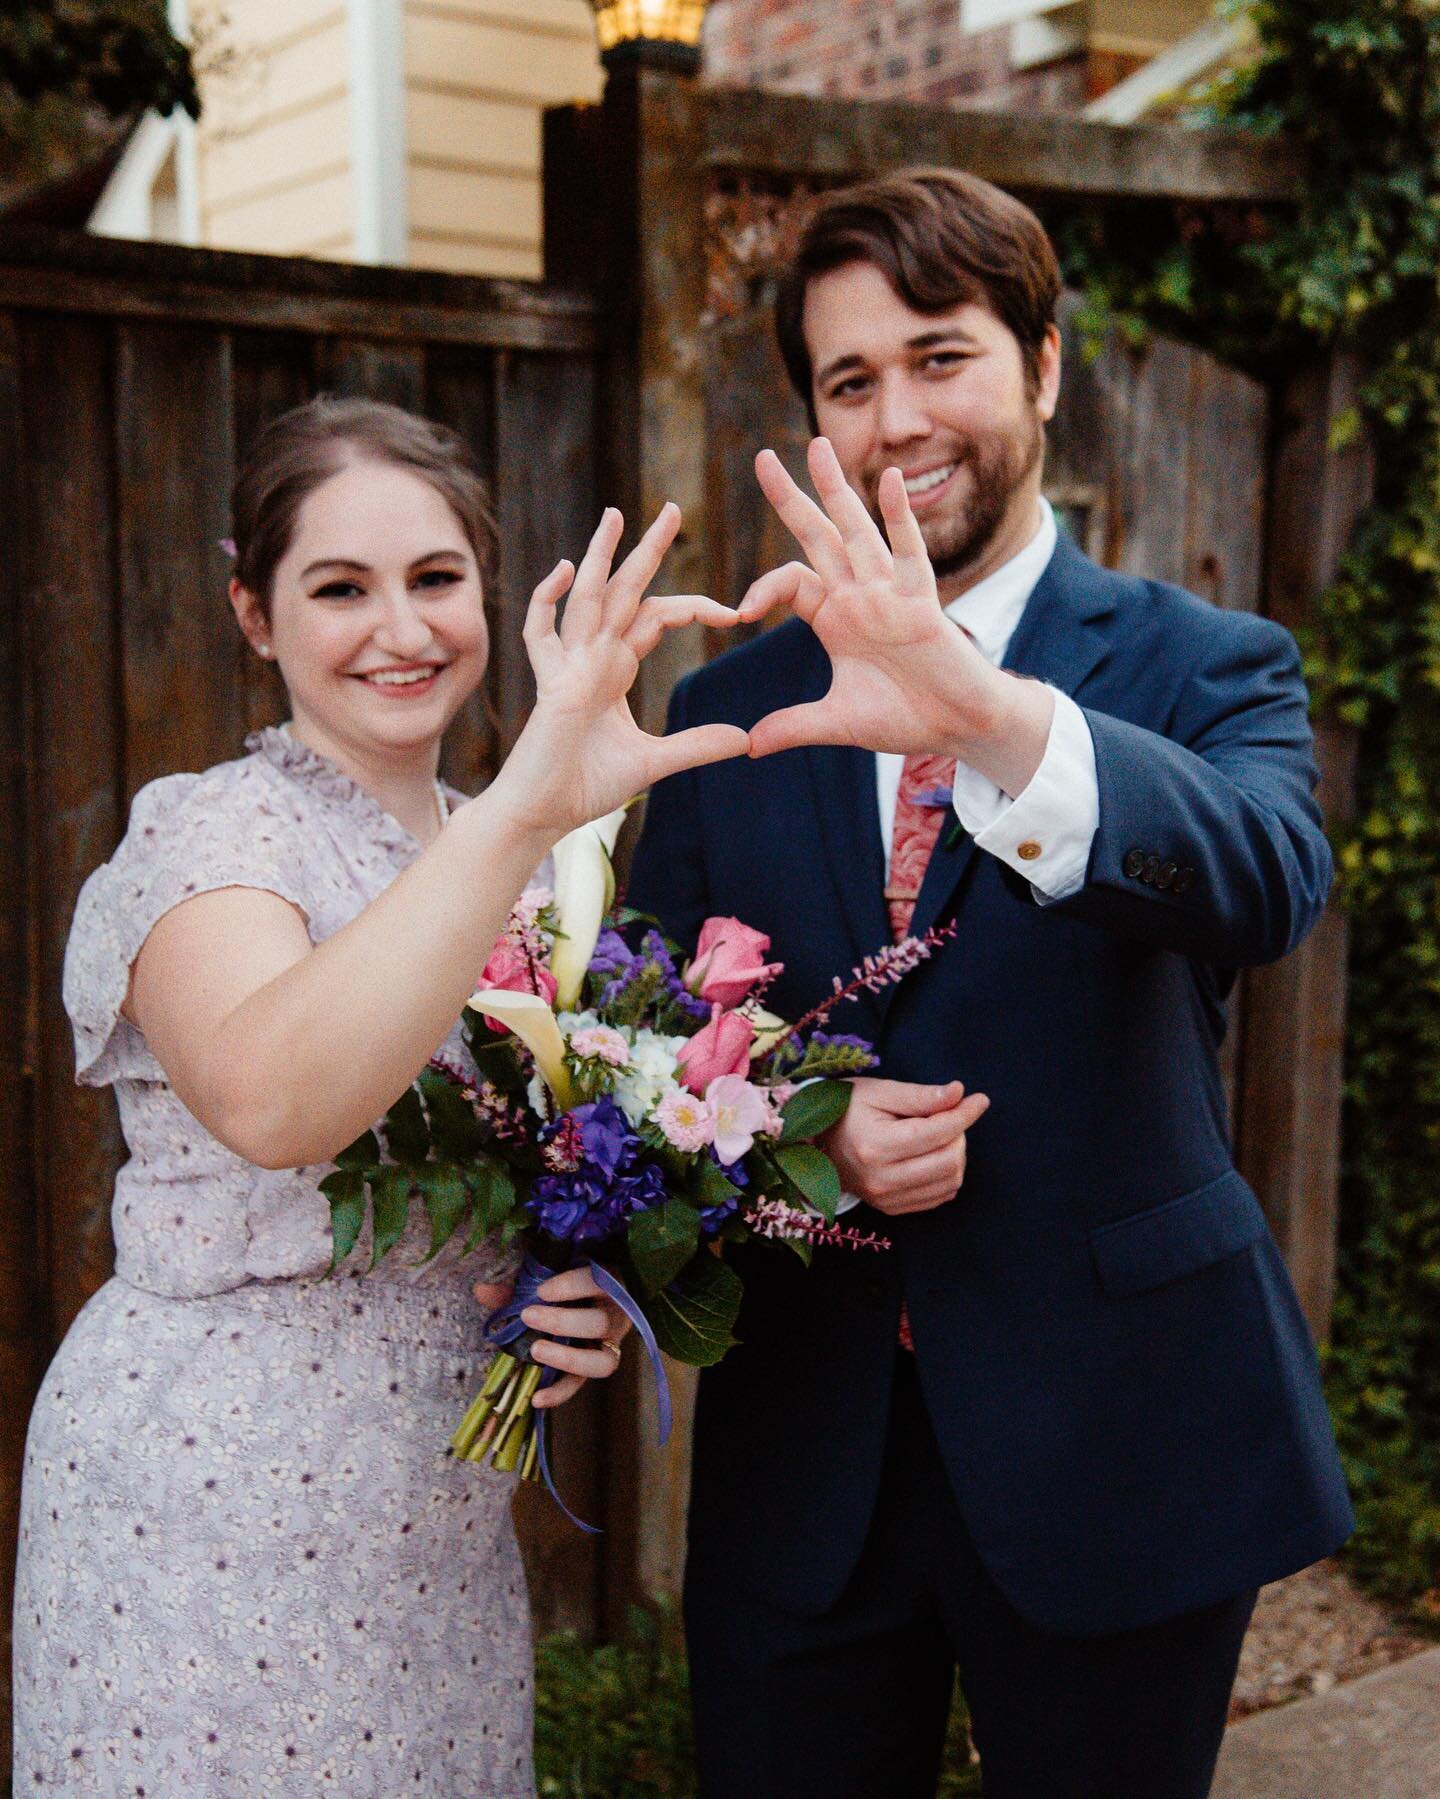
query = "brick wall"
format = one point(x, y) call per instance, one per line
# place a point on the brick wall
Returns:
point(885, 50)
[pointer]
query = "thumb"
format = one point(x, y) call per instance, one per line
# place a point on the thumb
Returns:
point(819, 722)
point(695, 747)
point(913, 1099)
point(492, 1294)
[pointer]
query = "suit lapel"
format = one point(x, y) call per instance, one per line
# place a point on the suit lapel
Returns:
point(1060, 639)
point(846, 800)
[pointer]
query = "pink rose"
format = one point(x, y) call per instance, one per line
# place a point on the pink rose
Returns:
point(720, 1047)
point(510, 970)
point(729, 962)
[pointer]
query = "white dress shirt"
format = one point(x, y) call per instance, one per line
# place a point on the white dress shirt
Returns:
point(1055, 819)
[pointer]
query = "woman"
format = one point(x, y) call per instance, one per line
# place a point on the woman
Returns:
point(245, 1564)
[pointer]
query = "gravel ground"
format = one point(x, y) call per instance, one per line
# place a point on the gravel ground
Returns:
point(1311, 1631)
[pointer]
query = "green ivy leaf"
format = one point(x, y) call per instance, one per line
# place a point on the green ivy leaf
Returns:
point(816, 1176)
point(345, 1189)
point(447, 1200)
point(694, 1316)
point(662, 1241)
point(406, 1133)
point(390, 1203)
point(813, 1110)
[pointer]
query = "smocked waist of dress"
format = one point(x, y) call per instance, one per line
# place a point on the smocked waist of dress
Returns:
point(432, 1309)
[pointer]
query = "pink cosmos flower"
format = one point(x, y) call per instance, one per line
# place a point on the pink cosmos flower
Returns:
point(740, 1112)
point(729, 962)
point(720, 1047)
point(603, 1041)
point(510, 970)
point(686, 1120)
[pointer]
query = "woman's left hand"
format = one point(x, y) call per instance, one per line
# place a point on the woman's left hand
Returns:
point(599, 1322)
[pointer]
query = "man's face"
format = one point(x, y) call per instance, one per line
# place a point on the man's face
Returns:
point(943, 397)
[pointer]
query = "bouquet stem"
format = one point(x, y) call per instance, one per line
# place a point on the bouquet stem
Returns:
point(499, 1427)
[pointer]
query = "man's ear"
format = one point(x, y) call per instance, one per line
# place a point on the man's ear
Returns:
point(250, 616)
point(1047, 393)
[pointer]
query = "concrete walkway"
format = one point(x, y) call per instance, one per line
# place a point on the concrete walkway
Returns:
point(1373, 1738)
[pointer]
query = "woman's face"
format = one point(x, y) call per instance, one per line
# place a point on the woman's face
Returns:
point(377, 618)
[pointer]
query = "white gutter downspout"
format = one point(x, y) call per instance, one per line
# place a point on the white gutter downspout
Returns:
point(378, 156)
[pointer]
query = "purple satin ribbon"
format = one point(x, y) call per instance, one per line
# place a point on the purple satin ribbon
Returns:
point(505, 1326)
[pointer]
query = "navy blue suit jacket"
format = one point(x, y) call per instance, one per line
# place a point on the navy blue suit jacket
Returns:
point(1122, 1384)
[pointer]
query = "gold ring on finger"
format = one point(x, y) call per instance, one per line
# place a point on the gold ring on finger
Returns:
point(614, 1349)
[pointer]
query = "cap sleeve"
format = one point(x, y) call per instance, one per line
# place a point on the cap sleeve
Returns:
point(188, 834)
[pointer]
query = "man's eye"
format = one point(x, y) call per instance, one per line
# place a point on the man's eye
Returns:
point(847, 390)
point(944, 360)
point(338, 590)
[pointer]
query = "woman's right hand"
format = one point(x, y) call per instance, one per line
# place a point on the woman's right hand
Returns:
point(581, 753)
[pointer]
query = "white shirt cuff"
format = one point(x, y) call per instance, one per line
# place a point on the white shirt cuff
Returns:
point(1045, 834)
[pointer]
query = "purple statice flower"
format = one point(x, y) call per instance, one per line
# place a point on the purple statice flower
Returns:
point(612, 955)
point(652, 954)
point(611, 1181)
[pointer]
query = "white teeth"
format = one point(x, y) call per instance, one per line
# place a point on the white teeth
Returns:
point(937, 477)
point(386, 677)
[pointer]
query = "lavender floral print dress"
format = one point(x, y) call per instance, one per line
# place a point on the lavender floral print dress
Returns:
point(246, 1566)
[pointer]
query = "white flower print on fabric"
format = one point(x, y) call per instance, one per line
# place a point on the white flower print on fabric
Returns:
point(246, 1565)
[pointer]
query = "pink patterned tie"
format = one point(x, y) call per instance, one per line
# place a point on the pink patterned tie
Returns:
point(926, 782)
point(920, 809)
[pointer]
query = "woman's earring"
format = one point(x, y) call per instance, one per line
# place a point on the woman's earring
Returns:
point(265, 650)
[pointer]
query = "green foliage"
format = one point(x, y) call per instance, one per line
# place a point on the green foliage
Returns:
point(614, 1722)
point(119, 55)
point(1351, 266)
point(694, 1316)
point(811, 1112)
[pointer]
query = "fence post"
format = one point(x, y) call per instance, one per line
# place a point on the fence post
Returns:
point(625, 212)
point(1293, 1053)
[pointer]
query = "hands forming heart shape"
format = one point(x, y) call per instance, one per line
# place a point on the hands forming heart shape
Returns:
point(904, 678)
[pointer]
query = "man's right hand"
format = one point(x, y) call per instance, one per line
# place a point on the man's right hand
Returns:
point(901, 1146)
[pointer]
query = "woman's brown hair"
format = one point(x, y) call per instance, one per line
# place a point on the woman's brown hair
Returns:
point(941, 239)
point(301, 449)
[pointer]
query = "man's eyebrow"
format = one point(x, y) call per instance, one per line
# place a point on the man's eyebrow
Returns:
point(924, 340)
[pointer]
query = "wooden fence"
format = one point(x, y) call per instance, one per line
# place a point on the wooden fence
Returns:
point(681, 203)
point(642, 371)
point(129, 374)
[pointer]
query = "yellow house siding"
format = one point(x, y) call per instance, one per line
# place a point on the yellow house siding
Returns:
point(479, 74)
point(275, 137)
point(293, 220)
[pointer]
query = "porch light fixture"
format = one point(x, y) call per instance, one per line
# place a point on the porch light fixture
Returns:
point(658, 33)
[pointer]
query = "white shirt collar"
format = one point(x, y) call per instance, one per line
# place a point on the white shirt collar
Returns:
point(991, 609)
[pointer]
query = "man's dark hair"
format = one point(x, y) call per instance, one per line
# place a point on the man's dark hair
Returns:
point(941, 239)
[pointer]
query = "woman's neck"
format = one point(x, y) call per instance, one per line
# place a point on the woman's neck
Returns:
point(401, 780)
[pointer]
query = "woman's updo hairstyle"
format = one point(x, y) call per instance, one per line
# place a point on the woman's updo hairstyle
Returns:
point(301, 449)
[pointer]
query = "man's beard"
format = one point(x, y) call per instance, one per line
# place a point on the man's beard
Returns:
point(998, 468)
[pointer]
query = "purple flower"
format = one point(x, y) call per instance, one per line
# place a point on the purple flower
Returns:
point(612, 1178)
point(612, 955)
point(604, 1134)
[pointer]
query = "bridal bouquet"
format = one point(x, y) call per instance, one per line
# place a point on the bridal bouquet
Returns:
point(620, 1107)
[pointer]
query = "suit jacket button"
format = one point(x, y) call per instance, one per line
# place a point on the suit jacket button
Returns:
point(1133, 863)
point(1166, 876)
point(1151, 869)
point(1185, 880)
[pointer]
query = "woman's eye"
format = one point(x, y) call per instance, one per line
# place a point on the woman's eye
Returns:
point(944, 361)
point(847, 390)
point(439, 577)
point(338, 590)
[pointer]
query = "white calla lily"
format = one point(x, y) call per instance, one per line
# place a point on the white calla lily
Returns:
point(532, 1021)
point(768, 1030)
point(584, 892)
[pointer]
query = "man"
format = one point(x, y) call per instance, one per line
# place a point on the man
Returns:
point(1063, 1431)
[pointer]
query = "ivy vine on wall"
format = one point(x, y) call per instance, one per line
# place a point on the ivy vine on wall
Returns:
point(1356, 263)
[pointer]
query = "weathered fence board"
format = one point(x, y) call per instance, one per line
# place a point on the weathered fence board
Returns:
point(131, 378)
